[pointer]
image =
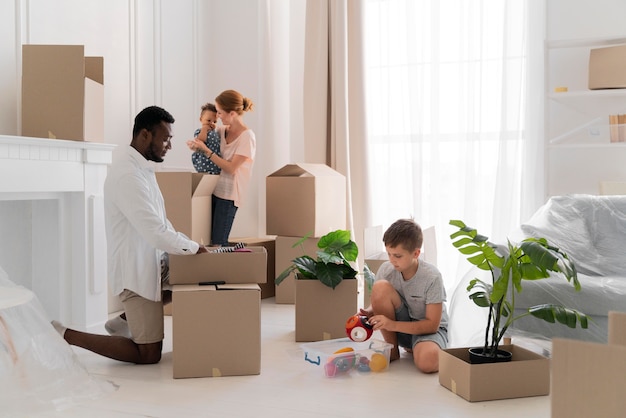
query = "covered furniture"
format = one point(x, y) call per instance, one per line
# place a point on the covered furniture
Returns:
point(592, 231)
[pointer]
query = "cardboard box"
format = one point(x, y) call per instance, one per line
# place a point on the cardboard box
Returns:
point(527, 374)
point(305, 200)
point(588, 378)
point(321, 311)
point(62, 93)
point(324, 354)
point(204, 346)
point(285, 253)
point(606, 68)
point(268, 289)
point(187, 198)
point(233, 267)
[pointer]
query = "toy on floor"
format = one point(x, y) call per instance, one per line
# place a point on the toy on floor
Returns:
point(341, 363)
point(358, 328)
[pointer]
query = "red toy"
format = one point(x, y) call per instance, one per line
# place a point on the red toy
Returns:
point(358, 328)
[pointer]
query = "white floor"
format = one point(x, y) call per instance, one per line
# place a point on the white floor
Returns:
point(287, 387)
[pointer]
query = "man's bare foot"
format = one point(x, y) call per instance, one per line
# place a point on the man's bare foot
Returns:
point(408, 350)
point(395, 354)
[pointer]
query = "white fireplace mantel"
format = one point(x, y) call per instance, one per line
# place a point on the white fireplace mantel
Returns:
point(52, 237)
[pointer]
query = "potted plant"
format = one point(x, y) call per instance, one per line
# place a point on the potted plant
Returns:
point(532, 259)
point(325, 295)
point(336, 251)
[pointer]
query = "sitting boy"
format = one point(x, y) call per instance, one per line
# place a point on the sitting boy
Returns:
point(407, 299)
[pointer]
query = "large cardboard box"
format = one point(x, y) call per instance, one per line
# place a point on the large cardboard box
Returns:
point(588, 378)
point(527, 374)
point(285, 253)
point(268, 289)
point(305, 200)
point(230, 267)
point(607, 67)
point(321, 311)
point(62, 93)
point(187, 198)
point(216, 330)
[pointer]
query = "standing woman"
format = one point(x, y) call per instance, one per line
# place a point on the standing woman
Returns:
point(238, 148)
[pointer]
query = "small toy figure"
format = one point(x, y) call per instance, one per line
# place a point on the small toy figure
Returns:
point(358, 329)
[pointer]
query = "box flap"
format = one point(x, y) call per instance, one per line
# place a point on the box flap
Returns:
point(305, 170)
point(372, 241)
point(203, 184)
point(617, 328)
point(94, 69)
point(227, 286)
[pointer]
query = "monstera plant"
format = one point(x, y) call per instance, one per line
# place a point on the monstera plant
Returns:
point(510, 265)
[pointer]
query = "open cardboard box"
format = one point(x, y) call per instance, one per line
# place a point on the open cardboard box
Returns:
point(62, 93)
point(230, 267)
point(527, 374)
point(305, 199)
point(588, 378)
point(321, 311)
point(187, 199)
point(204, 346)
point(268, 289)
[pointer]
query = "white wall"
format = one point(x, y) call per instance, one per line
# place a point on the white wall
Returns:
point(177, 54)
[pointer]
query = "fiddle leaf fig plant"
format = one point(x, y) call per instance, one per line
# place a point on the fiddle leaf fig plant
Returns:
point(335, 252)
point(510, 265)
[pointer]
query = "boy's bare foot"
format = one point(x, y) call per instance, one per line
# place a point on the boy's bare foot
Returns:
point(395, 354)
point(408, 350)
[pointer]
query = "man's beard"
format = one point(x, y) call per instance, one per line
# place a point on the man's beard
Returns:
point(153, 155)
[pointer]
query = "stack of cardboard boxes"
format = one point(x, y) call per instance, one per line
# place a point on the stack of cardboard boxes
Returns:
point(308, 200)
point(302, 200)
point(216, 311)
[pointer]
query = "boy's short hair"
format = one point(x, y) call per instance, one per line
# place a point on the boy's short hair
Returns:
point(405, 232)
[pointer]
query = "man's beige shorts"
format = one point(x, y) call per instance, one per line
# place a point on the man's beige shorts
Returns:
point(144, 317)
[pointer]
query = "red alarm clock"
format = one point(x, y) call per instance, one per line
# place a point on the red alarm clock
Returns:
point(358, 328)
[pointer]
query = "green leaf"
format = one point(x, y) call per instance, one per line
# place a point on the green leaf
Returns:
point(282, 276)
point(330, 274)
point(556, 313)
point(306, 266)
point(301, 240)
point(368, 276)
point(481, 299)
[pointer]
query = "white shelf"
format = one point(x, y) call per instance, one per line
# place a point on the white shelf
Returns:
point(582, 42)
point(596, 133)
point(588, 94)
point(580, 154)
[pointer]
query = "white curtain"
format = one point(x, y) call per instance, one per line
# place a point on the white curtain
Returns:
point(334, 97)
point(448, 107)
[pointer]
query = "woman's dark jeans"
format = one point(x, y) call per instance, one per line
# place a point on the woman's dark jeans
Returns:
point(223, 216)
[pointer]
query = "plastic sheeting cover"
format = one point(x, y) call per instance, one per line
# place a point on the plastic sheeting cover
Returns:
point(592, 231)
point(38, 370)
